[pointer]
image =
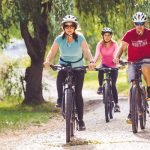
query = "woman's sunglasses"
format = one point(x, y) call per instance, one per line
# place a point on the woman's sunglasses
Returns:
point(139, 23)
point(69, 26)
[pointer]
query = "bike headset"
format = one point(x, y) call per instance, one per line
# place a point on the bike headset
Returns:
point(72, 19)
point(106, 30)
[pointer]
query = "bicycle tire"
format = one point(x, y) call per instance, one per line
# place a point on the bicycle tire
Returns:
point(73, 118)
point(68, 99)
point(142, 118)
point(134, 108)
point(106, 102)
point(111, 110)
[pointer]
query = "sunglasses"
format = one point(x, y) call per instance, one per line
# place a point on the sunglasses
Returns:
point(69, 26)
point(139, 23)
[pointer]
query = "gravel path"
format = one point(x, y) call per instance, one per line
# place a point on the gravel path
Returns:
point(99, 135)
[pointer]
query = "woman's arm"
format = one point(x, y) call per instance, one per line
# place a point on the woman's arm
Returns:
point(86, 51)
point(52, 52)
point(97, 53)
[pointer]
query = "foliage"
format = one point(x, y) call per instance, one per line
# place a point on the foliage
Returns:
point(10, 79)
point(117, 14)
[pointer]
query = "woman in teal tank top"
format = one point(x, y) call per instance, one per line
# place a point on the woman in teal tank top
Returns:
point(73, 48)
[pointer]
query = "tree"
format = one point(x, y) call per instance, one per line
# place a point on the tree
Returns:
point(117, 14)
point(32, 16)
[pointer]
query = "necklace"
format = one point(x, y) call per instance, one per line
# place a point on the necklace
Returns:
point(69, 41)
point(68, 44)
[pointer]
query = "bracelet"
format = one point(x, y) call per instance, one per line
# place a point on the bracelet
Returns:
point(91, 62)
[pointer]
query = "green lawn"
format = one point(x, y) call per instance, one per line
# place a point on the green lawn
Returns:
point(91, 81)
point(15, 116)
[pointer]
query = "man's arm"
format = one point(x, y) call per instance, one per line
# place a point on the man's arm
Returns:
point(120, 51)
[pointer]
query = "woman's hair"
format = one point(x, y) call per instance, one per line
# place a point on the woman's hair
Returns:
point(103, 42)
point(75, 36)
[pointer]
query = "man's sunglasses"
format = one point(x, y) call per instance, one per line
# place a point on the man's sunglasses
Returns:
point(69, 26)
point(139, 23)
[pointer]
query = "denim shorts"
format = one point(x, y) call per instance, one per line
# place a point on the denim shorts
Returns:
point(131, 69)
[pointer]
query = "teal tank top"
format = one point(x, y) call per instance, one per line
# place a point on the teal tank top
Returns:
point(70, 52)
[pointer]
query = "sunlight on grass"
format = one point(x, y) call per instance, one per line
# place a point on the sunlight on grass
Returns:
point(91, 81)
point(19, 116)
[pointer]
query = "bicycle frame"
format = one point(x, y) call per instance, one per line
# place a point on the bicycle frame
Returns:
point(108, 99)
point(68, 101)
point(138, 102)
point(68, 84)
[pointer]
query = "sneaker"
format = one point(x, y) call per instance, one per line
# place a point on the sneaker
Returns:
point(148, 96)
point(81, 125)
point(129, 120)
point(58, 105)
point(100, 90)
point(148, 93)
point(117, 108)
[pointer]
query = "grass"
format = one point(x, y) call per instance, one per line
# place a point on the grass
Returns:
point(91, 81)
point(16, 116)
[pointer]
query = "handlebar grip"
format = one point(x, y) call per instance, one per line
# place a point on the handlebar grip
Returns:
point(53, 67)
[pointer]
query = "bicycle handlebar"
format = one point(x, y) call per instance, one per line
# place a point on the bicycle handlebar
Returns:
point(59, 67)
point(109, 68)
point(123, 63)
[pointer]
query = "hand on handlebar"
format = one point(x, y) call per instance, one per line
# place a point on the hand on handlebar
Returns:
point(91, 66)
point(116, 60)
point(46, 64)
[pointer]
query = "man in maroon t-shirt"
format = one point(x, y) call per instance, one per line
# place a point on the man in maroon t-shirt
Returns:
point(137, 41)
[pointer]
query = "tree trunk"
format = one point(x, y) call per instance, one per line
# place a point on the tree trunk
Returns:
point(33, 78)
point(36, 47)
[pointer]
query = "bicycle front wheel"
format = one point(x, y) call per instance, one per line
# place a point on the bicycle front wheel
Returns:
point(143, 107)
point(134, 108)
point(69, 101)
point(106, 100)
point(73, 118)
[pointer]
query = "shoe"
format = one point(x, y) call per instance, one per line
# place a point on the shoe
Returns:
point(100, 90)
point(81, 125)
point(148, 94)
point(117, 108)
point(58, 105)
point(129, 120)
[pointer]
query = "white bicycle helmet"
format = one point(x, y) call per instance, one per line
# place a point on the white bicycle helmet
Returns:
point(106, 30)
point(139, 17)
point(70, 18)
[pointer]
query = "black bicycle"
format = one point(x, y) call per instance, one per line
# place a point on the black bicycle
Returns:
point(68, 106)
point(138, 102)
point(108, 99)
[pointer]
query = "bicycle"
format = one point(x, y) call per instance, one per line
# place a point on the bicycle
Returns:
point(138, 102)
point(108, 99)
point(68, 106)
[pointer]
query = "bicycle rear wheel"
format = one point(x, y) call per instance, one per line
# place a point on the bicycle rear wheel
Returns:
point(69, 101)
point(134, 108)
point(106, 100)
point(143, 106)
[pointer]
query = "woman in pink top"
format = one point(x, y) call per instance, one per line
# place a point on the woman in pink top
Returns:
point(106, 50)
